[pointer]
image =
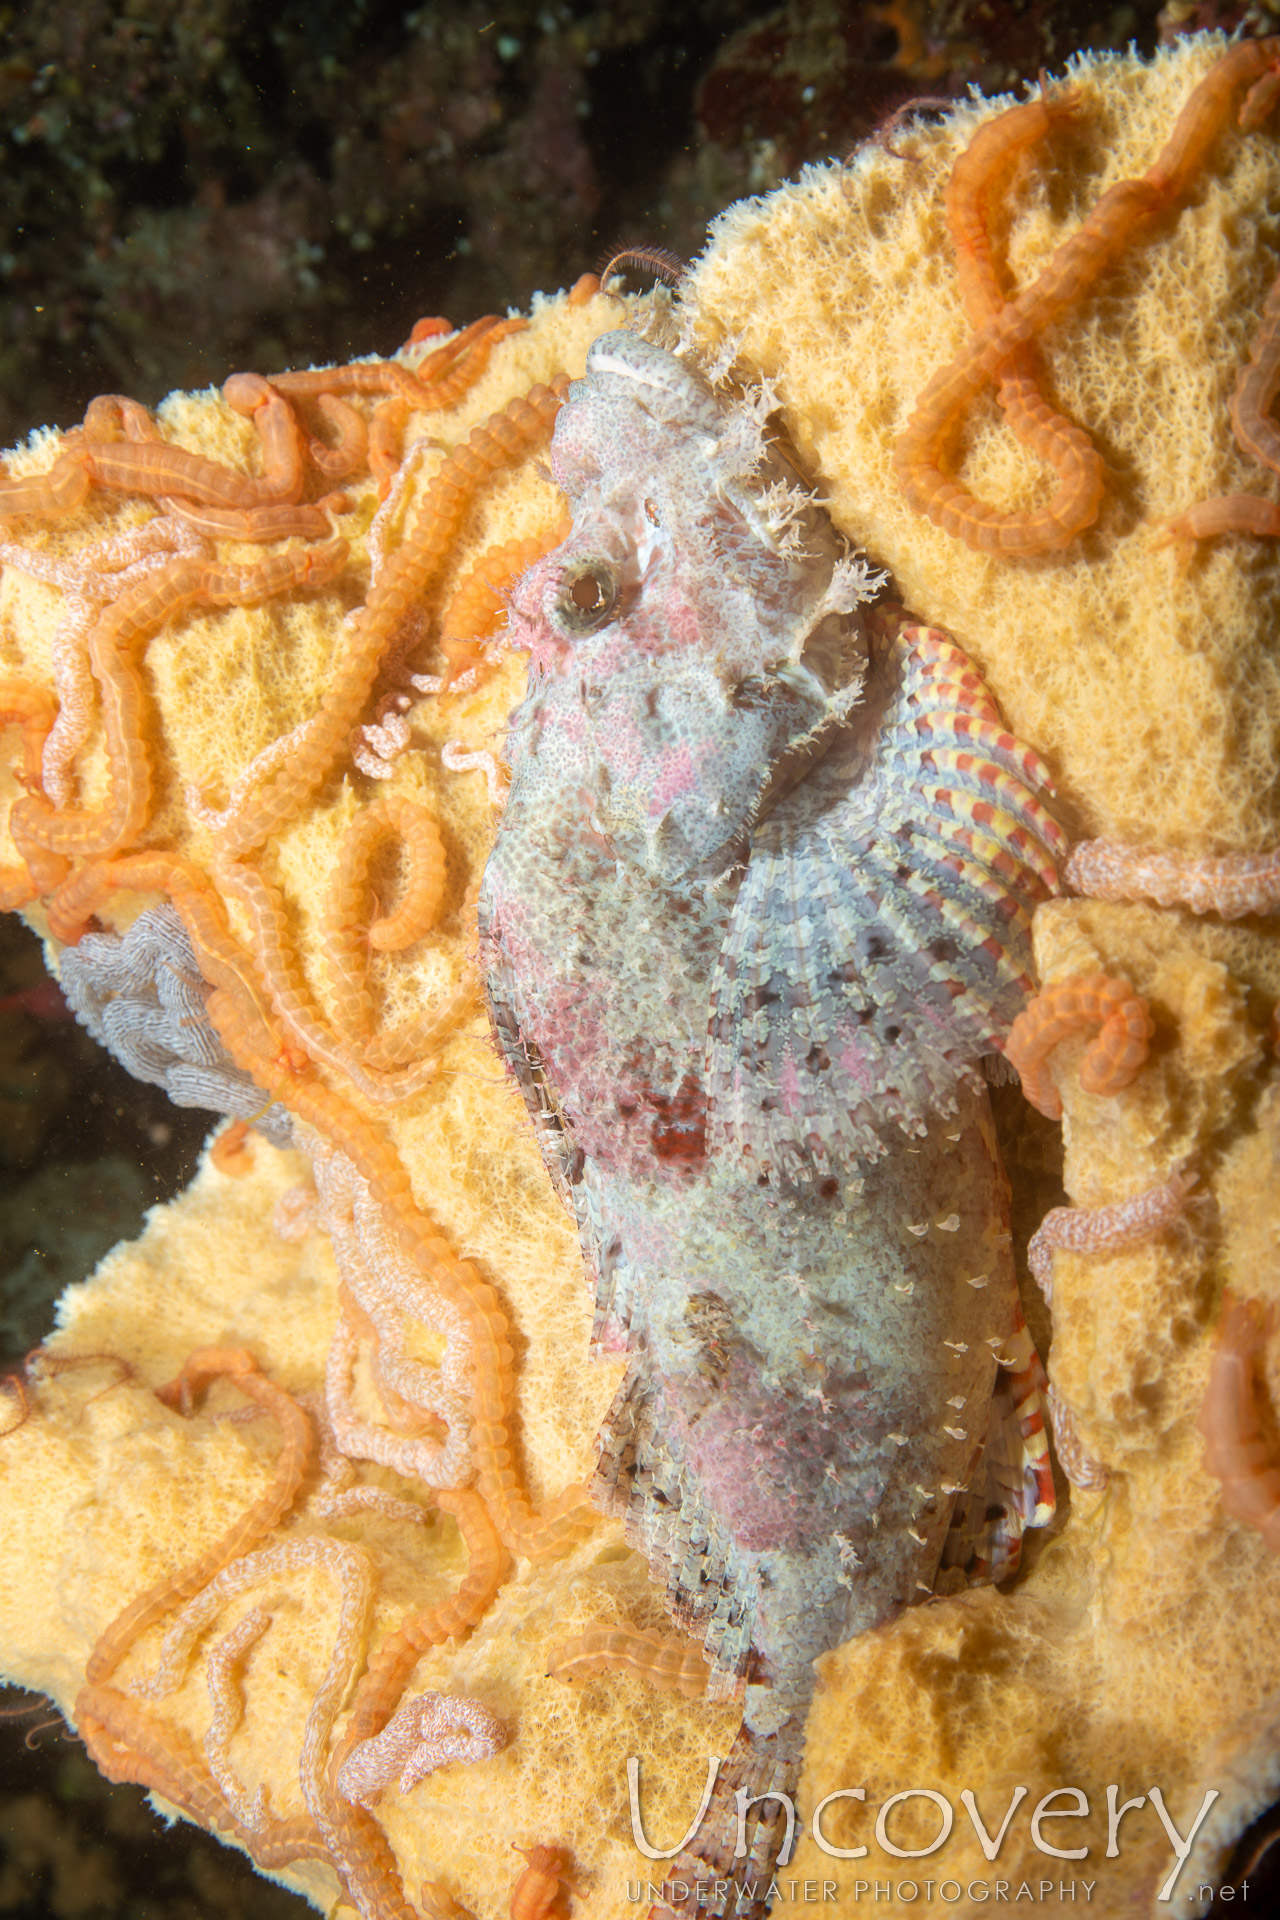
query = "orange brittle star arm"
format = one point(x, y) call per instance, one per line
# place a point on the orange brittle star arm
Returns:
point(1256, 433)
point(250, 1040)
point(667, 1661)
point(142, 463)
point(351, 444)
point(33, 709)
point(113, 639)
point(351, 933)
point(371, 1070)
point(129, 1741)
point(1063, 1008)
point(498, 442)
point(297, 1447)
point(359, 1845)
point(1072, 272)
point(433, 386)
point(1237, 1450)
point(387, 1675)
point(477, 608)
point(1062, 444)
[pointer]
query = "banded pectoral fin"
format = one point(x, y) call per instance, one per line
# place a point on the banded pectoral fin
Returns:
point(1009, 1484)
point(879, 943)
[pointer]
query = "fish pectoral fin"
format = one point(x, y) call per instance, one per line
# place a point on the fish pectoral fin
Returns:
point(1010, 1481)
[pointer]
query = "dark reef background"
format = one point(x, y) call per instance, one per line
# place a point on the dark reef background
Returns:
point(191, 187)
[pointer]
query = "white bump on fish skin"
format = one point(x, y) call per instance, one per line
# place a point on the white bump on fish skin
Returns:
point(922, 1586)
point(993, 1341)
point(956, 1400)
point(849, 1556)
point(904, 1286)
point(957, 1433)
point(962, 1346)
point(953, 1486)
point(855, 1187)
point(898, 1439)
point(919, 1231)
point(953, 1136)
point(917, 1536)
point(950, 1225)
point(977, 1280)
point(1006, 1360)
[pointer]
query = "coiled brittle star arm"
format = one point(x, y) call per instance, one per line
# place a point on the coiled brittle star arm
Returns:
point(1066, 447)
point(351, 933)
point(1114, 1059)
point(1076, 267)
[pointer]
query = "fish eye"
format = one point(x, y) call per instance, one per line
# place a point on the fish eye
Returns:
point(587, 597)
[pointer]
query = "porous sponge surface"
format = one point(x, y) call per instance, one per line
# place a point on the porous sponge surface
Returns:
point(1141, 1648)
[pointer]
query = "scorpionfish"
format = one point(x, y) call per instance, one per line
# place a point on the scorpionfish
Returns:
point(758, 907)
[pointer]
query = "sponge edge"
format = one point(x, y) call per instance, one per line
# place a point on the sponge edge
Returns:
point(1142, 1649)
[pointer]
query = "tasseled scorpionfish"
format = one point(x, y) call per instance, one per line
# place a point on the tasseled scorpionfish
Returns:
point(759, 905)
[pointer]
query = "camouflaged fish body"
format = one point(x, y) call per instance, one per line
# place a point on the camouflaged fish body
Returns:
point(759, 904)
